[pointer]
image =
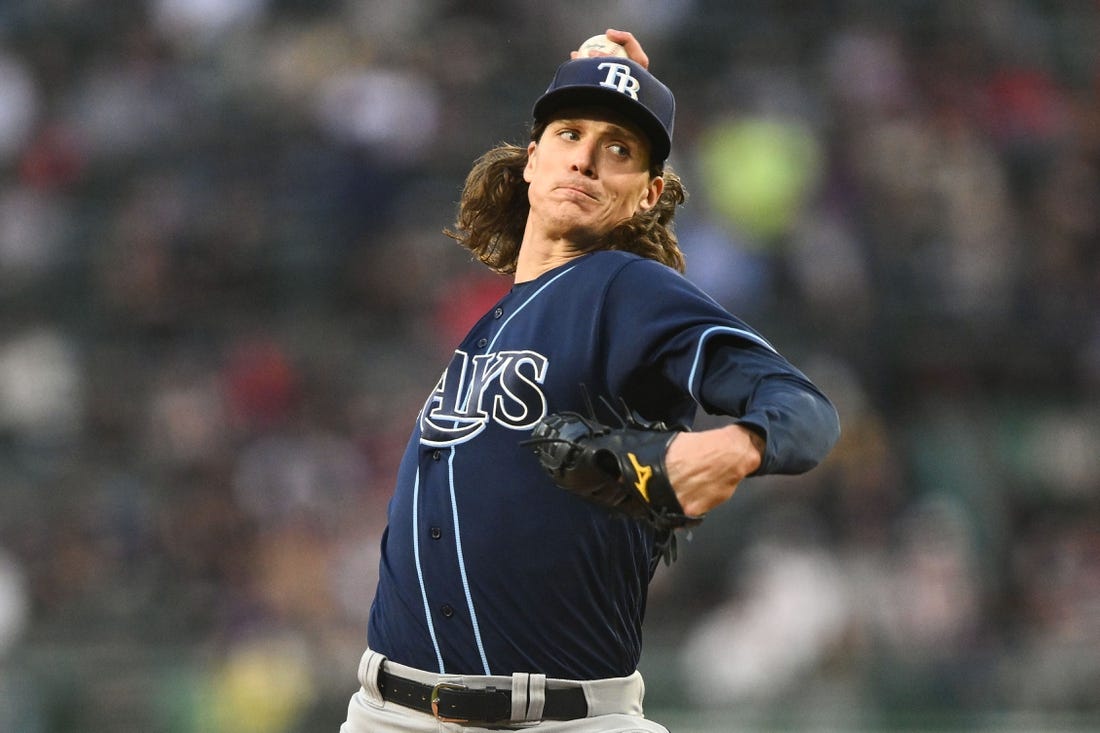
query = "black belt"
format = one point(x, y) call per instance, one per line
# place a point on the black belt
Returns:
point(456, 703)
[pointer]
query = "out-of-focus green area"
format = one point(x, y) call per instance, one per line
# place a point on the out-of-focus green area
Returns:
point(224, 295)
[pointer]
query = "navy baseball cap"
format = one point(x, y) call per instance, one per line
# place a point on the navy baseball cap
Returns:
point(619, 84)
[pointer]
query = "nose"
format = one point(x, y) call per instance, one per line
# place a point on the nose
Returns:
point(584, 160)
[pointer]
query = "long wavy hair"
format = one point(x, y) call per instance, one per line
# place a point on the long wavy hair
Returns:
point(493, 212)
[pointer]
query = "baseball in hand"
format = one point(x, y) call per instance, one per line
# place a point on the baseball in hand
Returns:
point(600, 45)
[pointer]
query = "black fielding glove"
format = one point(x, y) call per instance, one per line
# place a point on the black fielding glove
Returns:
point(621, 469)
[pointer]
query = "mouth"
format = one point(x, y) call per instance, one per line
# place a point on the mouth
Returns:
point(573, 188)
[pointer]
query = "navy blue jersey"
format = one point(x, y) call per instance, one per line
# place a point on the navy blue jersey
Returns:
point(489, 568)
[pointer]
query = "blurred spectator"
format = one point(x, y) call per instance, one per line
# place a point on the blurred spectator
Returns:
point(15, 711)
point(758, 174)
point(34, 230)
point(787, 618)
point(205, 21)
point(14, 604)
point(394, 114)
point(19, 102)
point(1055, 569)
point(41, 388)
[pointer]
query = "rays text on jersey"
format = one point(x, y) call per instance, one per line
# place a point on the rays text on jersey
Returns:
point(504, 387)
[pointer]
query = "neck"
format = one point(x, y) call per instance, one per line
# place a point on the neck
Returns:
point(540, 254)
point(531, 267)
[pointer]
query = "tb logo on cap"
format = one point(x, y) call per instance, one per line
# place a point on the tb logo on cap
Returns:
point(619, 79)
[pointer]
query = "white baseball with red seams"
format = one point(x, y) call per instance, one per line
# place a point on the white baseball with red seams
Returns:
point(600, 45)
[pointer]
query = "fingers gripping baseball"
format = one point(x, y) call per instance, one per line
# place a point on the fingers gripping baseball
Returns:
point(633, 47)
point(613, 43)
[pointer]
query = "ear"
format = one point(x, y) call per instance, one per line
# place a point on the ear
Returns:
point(652, 193)
point(529, 169)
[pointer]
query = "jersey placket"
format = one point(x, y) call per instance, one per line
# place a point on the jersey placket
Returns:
point(444, 502)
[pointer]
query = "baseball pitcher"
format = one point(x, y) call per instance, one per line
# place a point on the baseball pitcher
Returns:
point(552, 465)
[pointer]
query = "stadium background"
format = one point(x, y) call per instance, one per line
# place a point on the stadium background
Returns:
point(224, 293)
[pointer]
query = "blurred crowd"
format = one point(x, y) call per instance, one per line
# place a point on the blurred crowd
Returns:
point(225, 292)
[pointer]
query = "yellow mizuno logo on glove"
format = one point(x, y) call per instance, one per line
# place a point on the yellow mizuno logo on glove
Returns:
point(644, 472)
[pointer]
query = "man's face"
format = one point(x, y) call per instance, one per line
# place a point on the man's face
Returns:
point(587, 173)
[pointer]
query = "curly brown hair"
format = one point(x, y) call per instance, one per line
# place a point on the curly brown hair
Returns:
point(493, 212)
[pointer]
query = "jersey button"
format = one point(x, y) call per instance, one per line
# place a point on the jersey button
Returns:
point(481, 343)
point(436, 533)
point(498, 313)
point(447, 610)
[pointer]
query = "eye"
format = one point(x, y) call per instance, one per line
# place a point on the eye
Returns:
point(619, 150)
